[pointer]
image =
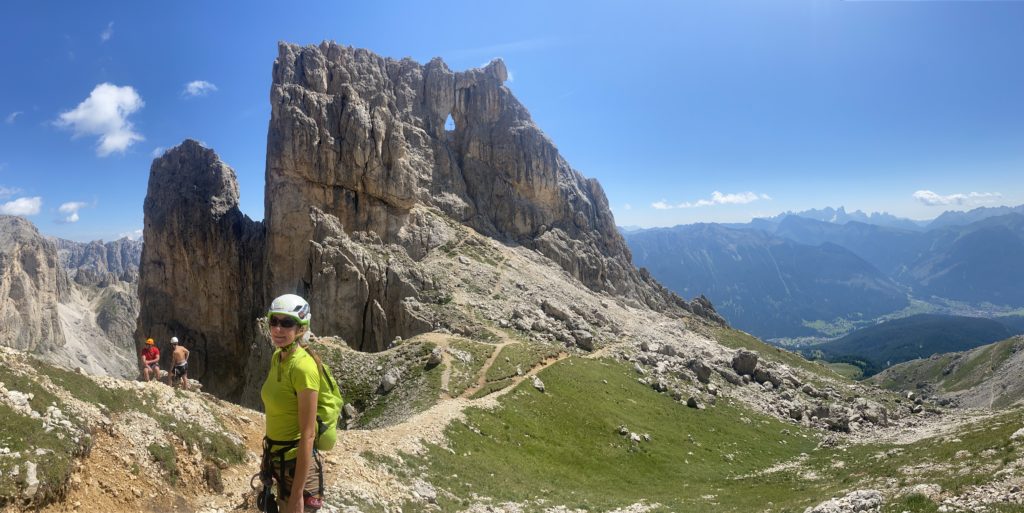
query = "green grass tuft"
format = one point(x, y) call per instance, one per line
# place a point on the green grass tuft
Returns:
point(523, 356)
point(167, 458)
point(465, 374)
point(915, 503)
point(845, 370)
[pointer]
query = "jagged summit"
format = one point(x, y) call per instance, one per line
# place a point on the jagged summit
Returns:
point(362, 137)
point(363, 182)
point(201, 262)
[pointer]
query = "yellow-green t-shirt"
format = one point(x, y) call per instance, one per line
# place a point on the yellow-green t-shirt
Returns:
point(280, 396)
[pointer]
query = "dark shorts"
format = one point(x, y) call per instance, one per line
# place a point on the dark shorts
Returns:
point(180, 370)
point(154, 366)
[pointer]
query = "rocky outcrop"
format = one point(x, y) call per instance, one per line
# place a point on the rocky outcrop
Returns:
point(100, 264)
point(109, 273)
point(363, 284)
point(116, 311)
point(31, 285)
point(868, 501)
point(201, 266)
point(363, 138)
point(362, 182)
point(985, 377)
point(44, 312)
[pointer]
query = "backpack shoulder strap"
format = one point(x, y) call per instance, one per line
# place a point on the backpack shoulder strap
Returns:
point(322, 368)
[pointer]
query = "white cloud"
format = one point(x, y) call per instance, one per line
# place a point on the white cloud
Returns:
point(7, 192)
point(198, 88)
point(11, 117)
point(717, 198)
point(133, 235)
point(933, 199)
point(627, 206)
point(105, 113)
point(22, 206)
point(158, 151)
point(71, 208)
point(107, 32)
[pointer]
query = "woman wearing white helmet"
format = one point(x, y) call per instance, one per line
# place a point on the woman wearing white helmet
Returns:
point(290, 401)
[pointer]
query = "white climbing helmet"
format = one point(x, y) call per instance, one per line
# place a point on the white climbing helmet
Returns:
point(174, 340)
point(292, 306)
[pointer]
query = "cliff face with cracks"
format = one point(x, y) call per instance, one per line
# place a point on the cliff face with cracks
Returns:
point(201, 269)
point(31, 284)
point(363, 138)
point(361, 179)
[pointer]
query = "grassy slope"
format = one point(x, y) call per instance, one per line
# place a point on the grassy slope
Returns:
point(845, 370)
point(522, 356)
point(950, 372)
point(25, 435)
point(464, 373)
point(53, 452)
point(563, 446)
point(359, 376)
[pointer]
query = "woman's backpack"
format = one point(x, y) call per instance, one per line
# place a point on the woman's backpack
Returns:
point(328, 406)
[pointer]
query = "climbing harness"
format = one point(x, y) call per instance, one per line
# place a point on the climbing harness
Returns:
point(265, 499)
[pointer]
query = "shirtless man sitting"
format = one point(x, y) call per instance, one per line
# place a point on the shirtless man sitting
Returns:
point(179, 364)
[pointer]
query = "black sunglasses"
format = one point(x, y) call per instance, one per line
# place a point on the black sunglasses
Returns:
point(284, 322)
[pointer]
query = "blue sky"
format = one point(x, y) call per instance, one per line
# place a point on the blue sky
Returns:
point(685, 111)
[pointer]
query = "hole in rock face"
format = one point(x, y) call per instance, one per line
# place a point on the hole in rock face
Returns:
point(449, 124)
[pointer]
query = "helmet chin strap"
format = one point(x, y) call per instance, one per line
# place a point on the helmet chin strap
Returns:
point(291, 346)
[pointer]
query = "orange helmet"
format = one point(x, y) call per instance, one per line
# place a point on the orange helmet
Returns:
point(149, 342)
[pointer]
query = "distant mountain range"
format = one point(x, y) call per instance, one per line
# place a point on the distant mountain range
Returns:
point(824, 272)
point(954, 218)
point(841, 216)
point(764, 284)
point(919, 336)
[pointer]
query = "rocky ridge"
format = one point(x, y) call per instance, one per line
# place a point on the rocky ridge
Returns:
point(363, 138)
point(32, 283)
point(495, 287)
point(76, 442)
point(100, 264)
point(77, 316)
point(985, 377)
point(363, 183)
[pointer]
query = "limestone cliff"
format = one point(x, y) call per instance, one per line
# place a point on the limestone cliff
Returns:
point(363, 138)
point(31, 285)
point(363, 182)
point(201, 265)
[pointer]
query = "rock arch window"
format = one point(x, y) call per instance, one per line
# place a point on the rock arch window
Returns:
point(449, 123)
